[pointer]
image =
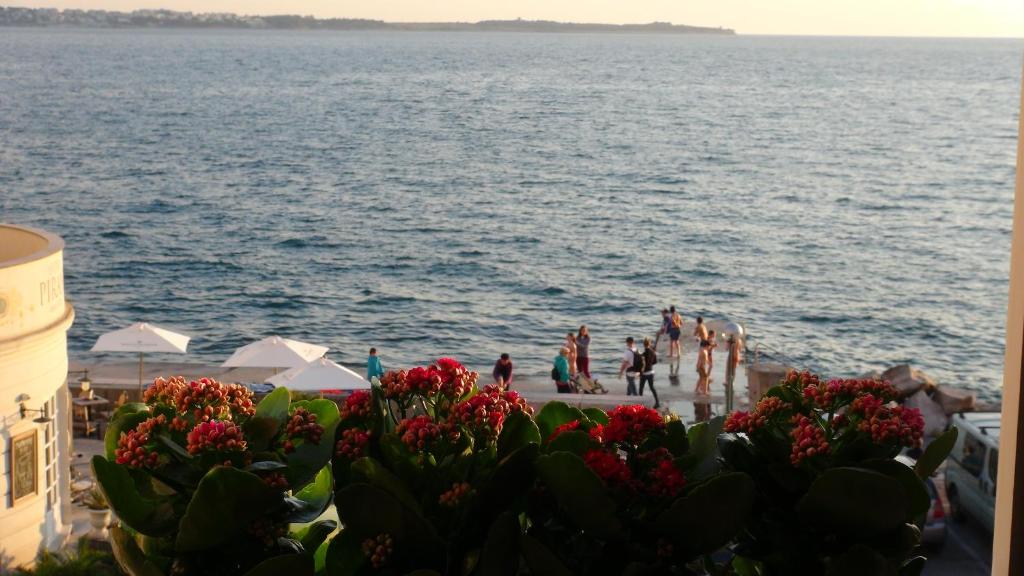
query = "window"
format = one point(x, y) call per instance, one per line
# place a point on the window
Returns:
point(993, 466)
point(973, 456)
point(50, 451)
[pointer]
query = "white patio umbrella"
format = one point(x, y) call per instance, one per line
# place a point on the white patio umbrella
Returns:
point(142, 338)
point(320, 374)
point(275, 352)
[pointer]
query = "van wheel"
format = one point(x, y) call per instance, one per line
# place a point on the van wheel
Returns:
point(956, 508)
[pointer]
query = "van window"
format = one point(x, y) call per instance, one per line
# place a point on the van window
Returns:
point(993, 465)
point(973, 456)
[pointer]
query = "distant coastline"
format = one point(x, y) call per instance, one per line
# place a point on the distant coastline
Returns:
point(14, 16)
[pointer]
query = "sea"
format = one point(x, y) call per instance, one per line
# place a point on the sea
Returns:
point(847, 200)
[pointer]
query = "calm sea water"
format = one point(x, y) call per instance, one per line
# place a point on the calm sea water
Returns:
point(848, 200)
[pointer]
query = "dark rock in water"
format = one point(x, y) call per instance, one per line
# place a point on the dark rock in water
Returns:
point(907, 380)
point(954, 400)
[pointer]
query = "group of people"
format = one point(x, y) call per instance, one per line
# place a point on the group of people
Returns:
point(573, 361)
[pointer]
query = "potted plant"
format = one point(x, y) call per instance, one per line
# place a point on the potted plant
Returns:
point(205, 482)
point(99, 514)
point(831, 496)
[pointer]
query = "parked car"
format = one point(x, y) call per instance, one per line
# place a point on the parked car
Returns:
point(972, 466)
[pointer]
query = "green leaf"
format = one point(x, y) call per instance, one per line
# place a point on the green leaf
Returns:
point(308, 459)
point(936, 452)
point(345, 555)
point(500, 555)
point(913, 567)
point(129, 557)
point(702, 457)
point(540, 559)
point(290, 564)
point(553, 415)
point(225, 503)
point(149, 516)
point(709, 516)
point(676, 439)
point(310, 502)
point(518, 430)
point(271, 414)
point(596, 415)
point(746, 567)
point(367, 511)
point(918, 499)
point(575, 441)
point(373, 472)
point(125, 418)
point(317, 534)
point(854, 501)
point(860, 560)
point(580, 493)
point(513, 477)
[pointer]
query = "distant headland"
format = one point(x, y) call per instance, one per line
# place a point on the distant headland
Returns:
point(12, 16)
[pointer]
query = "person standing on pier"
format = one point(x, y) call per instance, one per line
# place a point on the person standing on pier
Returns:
point(373, 367)
point(703, 386)
point(647, 377)
point(666, 321)
point(560, 371)
point(675, 328)
point(632, 366)
point(700, 331)
point(732, 361)
point(570, 344)
point(503, 372)
point(712, 344)
point(583, 351)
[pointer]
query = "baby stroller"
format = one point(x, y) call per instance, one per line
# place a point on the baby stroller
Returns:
point(585, 385)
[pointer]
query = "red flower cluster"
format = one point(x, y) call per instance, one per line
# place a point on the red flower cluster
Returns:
point(419, 433)
point(216, 435)
point(888, 424)
point(446, 376)
point(301, 426)
point(484, 413)
point(137, 448)
point(808, 440)
point(267, 530)
point(667, 481)
point(163, 391)
point(357, 405)
point(825, 395)
point(353, 443)
point(800, 380)
point(567, 427)
point(632, 424)
point(609, 467)
point(748, 422)
point(455, 495)
point(206, 399)
point(378, 550)
point(276, 480)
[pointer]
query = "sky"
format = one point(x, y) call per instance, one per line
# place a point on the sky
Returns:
point(970, 18)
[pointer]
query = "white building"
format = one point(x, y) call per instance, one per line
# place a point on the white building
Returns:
point(35, 435)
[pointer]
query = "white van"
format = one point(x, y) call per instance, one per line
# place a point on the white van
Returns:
point(971, 468)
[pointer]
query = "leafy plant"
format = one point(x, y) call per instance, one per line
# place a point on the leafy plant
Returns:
point(431, 475)
point(95, 500)
point(629, 492)
point(831, 498)
point(82, 561)
point(204, 482)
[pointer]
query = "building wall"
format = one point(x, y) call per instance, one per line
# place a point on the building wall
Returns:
point(34, 319)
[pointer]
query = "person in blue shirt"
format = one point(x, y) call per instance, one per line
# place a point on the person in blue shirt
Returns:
point(373, 367)
point(560, 371)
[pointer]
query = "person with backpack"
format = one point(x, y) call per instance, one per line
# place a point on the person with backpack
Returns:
point(560, 372)
point(632, 366)
point(647, 376)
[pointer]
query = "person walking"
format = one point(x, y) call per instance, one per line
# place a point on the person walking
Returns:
point(675, 328)
point(647, 377)
point(503, 372)
point(583, 351)
point(373, 367)
point(703, 386)
point(570, 343)
point(560, 371)
point(632, 366)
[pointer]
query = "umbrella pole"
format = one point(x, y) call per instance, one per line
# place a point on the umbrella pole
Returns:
point(140, 376)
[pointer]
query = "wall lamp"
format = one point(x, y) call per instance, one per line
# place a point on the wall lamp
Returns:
point(43, 418)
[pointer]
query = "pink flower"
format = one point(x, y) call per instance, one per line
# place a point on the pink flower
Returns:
point(301, 426)
point(632, 424)
point(485, 413)
point(455, 495)
point(748, 422)
point(357, 405)
point(207, 399)
point(378, 550)
point(808, 440)
point(137, 448)
point(217, 436)
point(163, 391)
point(352, 444)
point(419, 433)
